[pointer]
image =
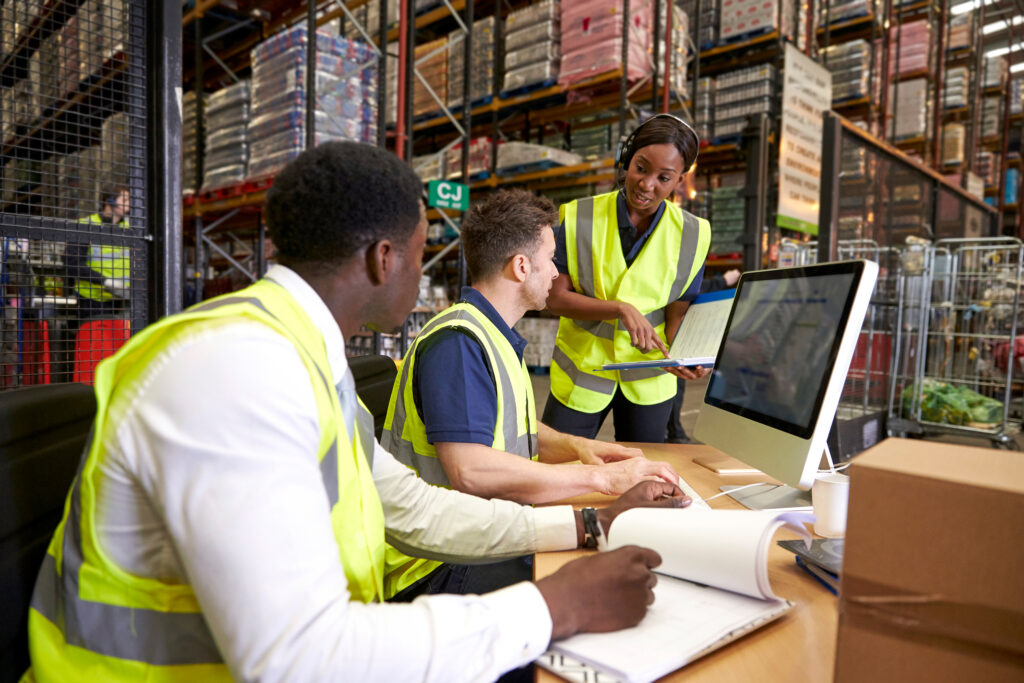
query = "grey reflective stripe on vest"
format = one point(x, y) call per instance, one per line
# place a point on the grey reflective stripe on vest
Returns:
point(582, 379)
point(687, 254)
point(130, 633)
point(656, 317)
point(598, 328)
point(585, 245)
point(429, 467)
point(637, 374)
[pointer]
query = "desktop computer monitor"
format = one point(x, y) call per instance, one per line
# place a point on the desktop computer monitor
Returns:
point(780, 369)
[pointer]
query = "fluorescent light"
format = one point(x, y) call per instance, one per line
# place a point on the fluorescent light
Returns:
point(1017, 68)
point(1000, 51)
point(965, 7)
point(1000, 26)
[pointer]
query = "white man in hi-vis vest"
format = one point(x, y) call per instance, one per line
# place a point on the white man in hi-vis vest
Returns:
point(102, 272)
point(462, 412)
point(231, 510)
point(630, 262)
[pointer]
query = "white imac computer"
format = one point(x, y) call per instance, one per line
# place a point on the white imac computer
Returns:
point(780, 370)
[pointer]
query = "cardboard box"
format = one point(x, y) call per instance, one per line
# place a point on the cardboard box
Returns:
point(933, 572)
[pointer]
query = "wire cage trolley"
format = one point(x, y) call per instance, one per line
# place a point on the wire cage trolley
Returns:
point(957, 347)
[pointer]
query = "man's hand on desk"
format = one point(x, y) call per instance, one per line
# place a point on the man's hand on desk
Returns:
point(616, 478)
point(605, 592)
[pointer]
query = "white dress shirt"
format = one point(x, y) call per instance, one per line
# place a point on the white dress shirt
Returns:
point(212, 479)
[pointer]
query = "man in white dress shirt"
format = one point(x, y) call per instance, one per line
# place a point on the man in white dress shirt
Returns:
point(229, 516)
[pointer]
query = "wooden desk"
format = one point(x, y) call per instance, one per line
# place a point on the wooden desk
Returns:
point(800, 646)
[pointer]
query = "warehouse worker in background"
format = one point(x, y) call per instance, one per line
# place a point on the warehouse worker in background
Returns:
point(462, 412)
point(230, 512)
point(102, 272)
point(629, 263)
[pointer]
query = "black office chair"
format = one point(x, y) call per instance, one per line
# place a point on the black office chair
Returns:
point(374, 377)
point(43, 430)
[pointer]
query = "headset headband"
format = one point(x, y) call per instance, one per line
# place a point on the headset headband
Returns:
point(624, 152)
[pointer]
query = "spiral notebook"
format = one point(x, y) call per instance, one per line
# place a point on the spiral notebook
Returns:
point(703, 600)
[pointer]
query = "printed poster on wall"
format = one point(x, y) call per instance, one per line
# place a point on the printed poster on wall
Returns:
point(806, 93)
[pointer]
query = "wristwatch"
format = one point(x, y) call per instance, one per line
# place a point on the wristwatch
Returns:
point(593, 534)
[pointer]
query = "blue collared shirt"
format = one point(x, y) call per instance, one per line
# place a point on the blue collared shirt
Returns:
point(453, 388)
point(631, 244)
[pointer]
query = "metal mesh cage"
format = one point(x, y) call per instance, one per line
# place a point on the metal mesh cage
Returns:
point(72, 177)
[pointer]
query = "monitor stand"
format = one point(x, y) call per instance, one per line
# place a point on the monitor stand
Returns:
point(777, 497)
point(770, 497)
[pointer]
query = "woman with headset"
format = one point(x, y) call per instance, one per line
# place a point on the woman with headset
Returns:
point(629, 263)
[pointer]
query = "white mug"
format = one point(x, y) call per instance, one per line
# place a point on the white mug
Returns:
point(830, 495)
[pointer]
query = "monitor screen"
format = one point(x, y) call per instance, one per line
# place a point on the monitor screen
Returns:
point(780, 345)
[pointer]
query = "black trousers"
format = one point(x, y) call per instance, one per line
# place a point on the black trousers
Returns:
point(465, 579)
point(632, 422)
point(675, 425)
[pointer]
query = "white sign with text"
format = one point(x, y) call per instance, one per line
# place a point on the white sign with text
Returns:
point(806, 93)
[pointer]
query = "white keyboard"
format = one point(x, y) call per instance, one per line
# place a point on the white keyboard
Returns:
point(698, 502)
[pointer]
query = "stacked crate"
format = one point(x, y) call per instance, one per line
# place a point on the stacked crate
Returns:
point(909, 48)
point(909, 106)
point(518, 157)
point(956, 92)
point(738, 94)
point(996, 72)
point(368, 16)
point(592, 35)
point(837, 11)
point(987, 166)
point(432, 65)
point(532, 45)
point(540, 334)
point(704, 111)
point(991, 121)
point(346, 97)
point(738, 19)
point(850, 65)
point(227, 137)
point(590, 142)
point(728, 216)
point(190, 180)
point(481, 65)
point(953, 138)
point(114, 154)
point(961, 32)
point(680, 52)
point(479, 158)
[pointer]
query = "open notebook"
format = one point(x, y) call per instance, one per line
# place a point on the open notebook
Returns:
point(699, 335)
point(712, 589)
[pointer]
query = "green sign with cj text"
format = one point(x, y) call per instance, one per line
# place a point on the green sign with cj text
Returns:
point(446, 195)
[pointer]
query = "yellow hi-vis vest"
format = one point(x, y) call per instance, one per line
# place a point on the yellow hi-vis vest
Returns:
point(405, 435)
point(660, 274)
point(91, 620)
point(108, 261)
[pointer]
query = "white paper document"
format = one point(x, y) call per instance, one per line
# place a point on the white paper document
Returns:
point(712, 588)
point(699, 336)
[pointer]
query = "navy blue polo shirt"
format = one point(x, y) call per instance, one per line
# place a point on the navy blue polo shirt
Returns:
point(453, 388)
point(631, 244)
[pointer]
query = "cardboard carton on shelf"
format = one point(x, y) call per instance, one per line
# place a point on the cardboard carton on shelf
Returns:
point(931, 587)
